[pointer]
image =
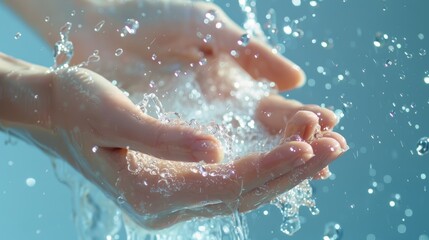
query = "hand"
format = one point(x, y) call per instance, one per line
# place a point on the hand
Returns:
point(172, 35)
point(93, 126)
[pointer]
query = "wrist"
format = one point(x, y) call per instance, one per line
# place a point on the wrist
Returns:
point(25, 94)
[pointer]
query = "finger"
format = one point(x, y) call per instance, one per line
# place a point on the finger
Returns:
point(225, 182)
point(325, 172)
point(122, 125)
point(304, 124)
point(326, 150)
point(275, 111)
point(258, 59)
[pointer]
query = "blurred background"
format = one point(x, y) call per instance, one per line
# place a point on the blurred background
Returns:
point(365, 59)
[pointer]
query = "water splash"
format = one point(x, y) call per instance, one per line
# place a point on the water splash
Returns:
point(63, 51)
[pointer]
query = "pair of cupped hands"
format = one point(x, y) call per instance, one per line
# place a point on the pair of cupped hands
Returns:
point(94, 126)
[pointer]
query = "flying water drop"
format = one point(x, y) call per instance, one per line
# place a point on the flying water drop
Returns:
point(131, 26)
point(423, 146)
point(244, 40)
point(99, 25)
point(333, 231)
point(17, 35)
point(119, 52)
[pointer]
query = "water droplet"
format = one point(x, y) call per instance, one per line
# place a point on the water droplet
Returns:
point(119, 52)
point(296, 3)
point(99, 25)
point(202, 61)
point(30, 182)
point(290, 225)
point(333, 231)
point(17, 35)
point(207, 38)
point(131, 26)
point(94, 149)
point(120, 200)
point(379, 39)
point(234, 53)
point(244, 40)
point(422, 146)
point(210, 16)
point(388, 63)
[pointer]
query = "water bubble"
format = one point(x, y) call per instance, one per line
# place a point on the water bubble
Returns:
point(131, 26)
point(30, 182)
point(313, 3)
point(99, 25)
point(47, 19)
point(244, 40)
point(402, 228)
point(422, 146)
point(408, 212)
point(422, 52)
point(333, 231)
point(17, 35)
point(118, 52)
point(421, 36)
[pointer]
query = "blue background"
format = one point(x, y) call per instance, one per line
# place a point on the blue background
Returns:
point(381, 145)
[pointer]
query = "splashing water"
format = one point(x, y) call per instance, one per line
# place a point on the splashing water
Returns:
point(63, 51)
point(234, 126)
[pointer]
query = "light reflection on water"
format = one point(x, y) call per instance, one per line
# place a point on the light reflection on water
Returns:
point(366, 58)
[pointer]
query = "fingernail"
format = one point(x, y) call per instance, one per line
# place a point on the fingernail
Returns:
point(302, 159)
point(325, 173)
point(203, 150)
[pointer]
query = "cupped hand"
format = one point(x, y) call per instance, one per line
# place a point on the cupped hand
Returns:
point(171, 35)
